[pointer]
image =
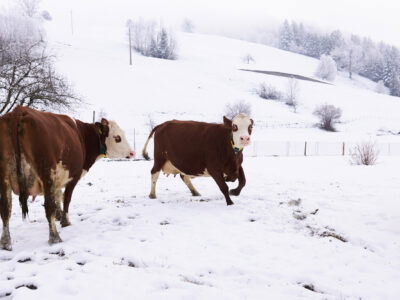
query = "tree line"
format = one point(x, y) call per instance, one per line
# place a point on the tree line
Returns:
point(377, 61)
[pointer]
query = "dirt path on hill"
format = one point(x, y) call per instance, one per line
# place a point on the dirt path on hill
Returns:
point(288, 75)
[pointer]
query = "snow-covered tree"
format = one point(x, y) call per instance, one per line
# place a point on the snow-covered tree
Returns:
point(286, 38)
point(187, 25)
point(326, 68)
point(380, 88)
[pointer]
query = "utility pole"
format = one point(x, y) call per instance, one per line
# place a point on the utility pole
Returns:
point(72, 23)
point(130, 45)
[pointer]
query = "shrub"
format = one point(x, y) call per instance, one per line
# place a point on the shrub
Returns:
point(268, 92)
point(328, 116)
point(365, 153)
point(233, 109)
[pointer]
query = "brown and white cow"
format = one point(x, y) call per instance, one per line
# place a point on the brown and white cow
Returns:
point(193, 149)
point(41, 153)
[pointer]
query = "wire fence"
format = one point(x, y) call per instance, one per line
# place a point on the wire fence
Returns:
point(315, 148)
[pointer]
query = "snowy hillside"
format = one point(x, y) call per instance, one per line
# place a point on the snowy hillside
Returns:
point(204, 79)
point(303, 227)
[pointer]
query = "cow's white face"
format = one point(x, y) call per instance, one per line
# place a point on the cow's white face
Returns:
point(242, 127)
point(116, 142)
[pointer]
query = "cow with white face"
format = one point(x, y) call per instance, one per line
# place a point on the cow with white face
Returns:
point(242, 127)
point(116, 142)
point(196, 149)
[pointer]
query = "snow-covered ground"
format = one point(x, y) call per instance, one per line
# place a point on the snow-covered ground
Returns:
point(270, 244)
point(301, 223)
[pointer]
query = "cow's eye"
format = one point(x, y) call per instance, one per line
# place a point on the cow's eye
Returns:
point(234, 127)
point(117, 138)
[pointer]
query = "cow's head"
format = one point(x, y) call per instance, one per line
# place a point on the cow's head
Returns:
point(114, 139)
point(242, 127)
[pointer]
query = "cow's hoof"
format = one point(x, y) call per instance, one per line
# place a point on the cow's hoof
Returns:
point(234, 192)
point(196, 194)
point(229, 203)
point(5, 242)
point(54, 239)
point(5, 245)
point(152, 196)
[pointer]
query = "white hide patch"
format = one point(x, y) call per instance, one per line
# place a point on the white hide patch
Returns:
point(60, 176)
point(116, 149)
point(242, 122)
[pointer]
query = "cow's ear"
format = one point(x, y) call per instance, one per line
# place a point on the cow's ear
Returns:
point(104, 122)
point(102, 129)
point(227, 122)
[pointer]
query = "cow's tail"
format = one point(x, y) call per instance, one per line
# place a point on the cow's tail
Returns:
point(16, 132)
point(144, 151)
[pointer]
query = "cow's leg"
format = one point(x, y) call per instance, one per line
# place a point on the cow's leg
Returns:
point(67, 200)
point(5, 212)
point(154, 178)
point(188, 182)
point(58, 197)
point(155, 172)
point(50, 207)
point(219, 179)
point(242, 183)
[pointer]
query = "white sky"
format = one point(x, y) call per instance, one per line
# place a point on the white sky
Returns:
point(378, 19)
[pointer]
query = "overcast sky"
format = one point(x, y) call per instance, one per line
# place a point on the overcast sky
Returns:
point(378, 19)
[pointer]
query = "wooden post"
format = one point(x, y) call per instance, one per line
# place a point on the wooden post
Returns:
point(343, 149)
point(130, 45)
point(134, 139)
point(305, 148)
point(94, 116)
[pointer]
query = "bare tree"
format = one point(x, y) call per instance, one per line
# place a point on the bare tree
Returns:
point(365, 153)
point(240, 106)
point(292, 92)
point(30, 8)
point(248, 59)
point(151, 123)
point(328, 116)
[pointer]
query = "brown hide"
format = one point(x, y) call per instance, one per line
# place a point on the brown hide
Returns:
point(198, 149)
point(41, 153)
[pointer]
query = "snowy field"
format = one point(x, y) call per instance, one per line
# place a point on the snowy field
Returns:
point(303, 228)
point(300, 222)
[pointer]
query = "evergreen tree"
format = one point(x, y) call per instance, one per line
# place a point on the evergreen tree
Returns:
point(163, 44)
point(285, 36)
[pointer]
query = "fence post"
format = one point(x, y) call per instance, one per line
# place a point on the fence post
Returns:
point(94, 116)
point(305, 148)
point(343, 149)
point(134, 139)
point(287, 148)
